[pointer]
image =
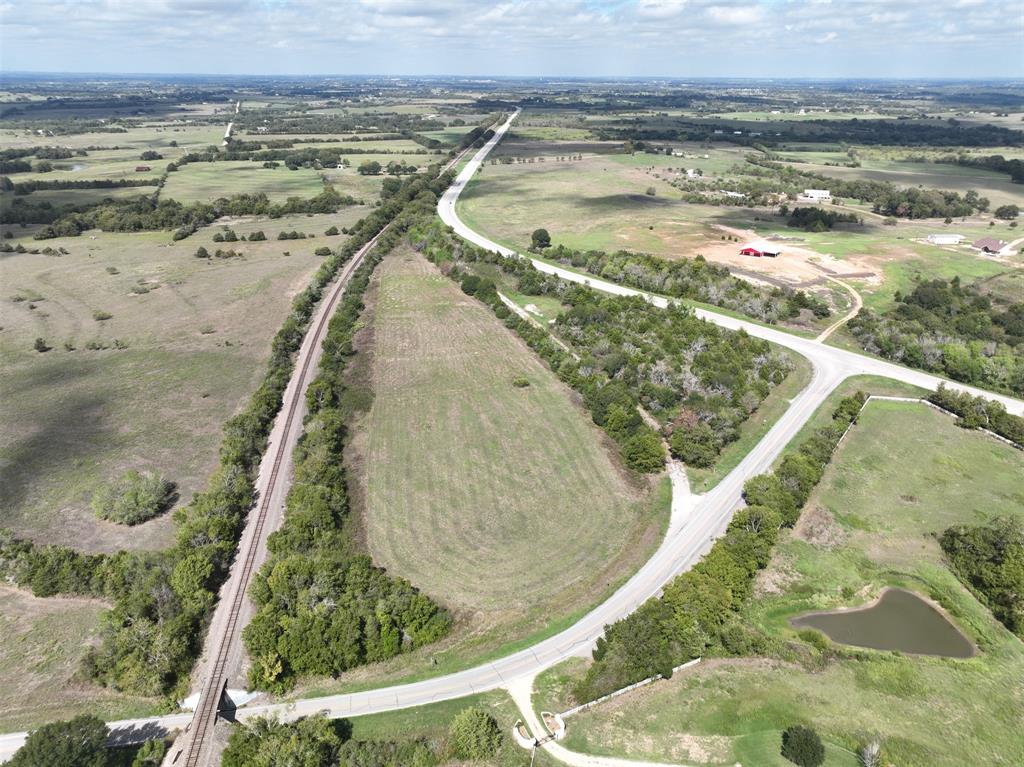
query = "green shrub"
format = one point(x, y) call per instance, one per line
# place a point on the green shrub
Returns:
point(802, 746)
point(79, 742)
point(520, 382)
point(100, 316)
point(474, 734)
point(133, 498)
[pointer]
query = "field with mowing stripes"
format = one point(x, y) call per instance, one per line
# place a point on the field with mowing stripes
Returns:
point(504, 503)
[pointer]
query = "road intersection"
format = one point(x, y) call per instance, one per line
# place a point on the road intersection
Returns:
point(694, 524)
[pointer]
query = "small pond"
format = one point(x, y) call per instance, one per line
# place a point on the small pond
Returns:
point(900, 621)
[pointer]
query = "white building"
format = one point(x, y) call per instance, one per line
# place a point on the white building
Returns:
point(693, 173)
point(819, 195)
point(945, 239)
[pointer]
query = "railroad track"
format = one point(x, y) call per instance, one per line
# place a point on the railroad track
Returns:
point(208, 706)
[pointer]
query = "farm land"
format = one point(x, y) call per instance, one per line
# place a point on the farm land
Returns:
point(904, 474)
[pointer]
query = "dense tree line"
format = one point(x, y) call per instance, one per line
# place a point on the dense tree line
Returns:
point(316, 741)
point(146, 214)
point(162, 600)
point(697, 613)
point(996, 162)
point(322, 607)
point(989, 559)
point(693, 279)
point(885, 198)
point(980, 413)
point(951, 329)
point(36, 185)
point(699, 380)
point(82, 742)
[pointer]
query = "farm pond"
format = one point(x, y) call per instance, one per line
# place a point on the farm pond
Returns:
point(900, 621)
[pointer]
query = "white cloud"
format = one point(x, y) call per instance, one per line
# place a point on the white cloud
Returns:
point(728, 14)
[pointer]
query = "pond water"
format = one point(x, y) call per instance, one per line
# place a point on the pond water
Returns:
point(900, 620)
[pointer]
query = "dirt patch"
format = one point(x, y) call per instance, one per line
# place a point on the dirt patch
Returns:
point(819, 528)
point(775, 579)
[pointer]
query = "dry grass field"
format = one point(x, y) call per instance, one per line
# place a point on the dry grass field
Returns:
point(197, 334)
point(504, 503)
point(43, 643)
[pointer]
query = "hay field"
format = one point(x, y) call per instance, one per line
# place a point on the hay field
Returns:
point(506, 504)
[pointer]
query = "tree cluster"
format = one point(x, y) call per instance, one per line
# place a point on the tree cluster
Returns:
point(951, 329)
point(698, 611)
point(989, 559)
point(980, 413)
point(693, 279)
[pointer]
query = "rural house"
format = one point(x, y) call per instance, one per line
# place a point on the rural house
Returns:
point(988, 245)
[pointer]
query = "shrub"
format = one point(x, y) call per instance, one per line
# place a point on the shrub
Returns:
point(540, 239)
point(79, 742)
point(520, 382)
point(133, 498)
point(202, 252)
point(100, 315)
point(474, 734)
point(801, 745)
point(40, 345)
point(331, 231)
point(257, 236)
point(651, 191)
point(324, 251)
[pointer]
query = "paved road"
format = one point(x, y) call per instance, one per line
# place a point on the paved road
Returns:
point(695, 520)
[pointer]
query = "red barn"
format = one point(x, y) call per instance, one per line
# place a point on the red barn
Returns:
point(142, 168)
point(759, 250)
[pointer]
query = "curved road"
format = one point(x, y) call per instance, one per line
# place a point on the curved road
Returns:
point(695, 520)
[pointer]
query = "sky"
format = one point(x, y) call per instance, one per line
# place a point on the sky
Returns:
point(607, 38)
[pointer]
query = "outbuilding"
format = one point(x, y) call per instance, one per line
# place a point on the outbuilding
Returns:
point(759, 250)
point(945, 239)
point(142, 168)
point(988, 245)
point(818, 195)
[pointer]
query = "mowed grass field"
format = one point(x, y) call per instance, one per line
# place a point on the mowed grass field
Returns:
point(197, 334)
point(904, 473)
point(44, 641)
point(206, 181)
point(504, 503)
point(599, 202)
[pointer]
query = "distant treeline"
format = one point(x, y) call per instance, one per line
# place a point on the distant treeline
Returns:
point(145, 214)
point(886, 199)
point(27, 187)
point(898, 132)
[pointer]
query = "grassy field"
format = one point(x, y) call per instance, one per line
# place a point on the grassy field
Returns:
point(495, 499)
point(197, 334)
point(432, 722)
point(904, 473)
point(206, 181)
point(505, 504)
point(43, 643)
point(601, 202)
